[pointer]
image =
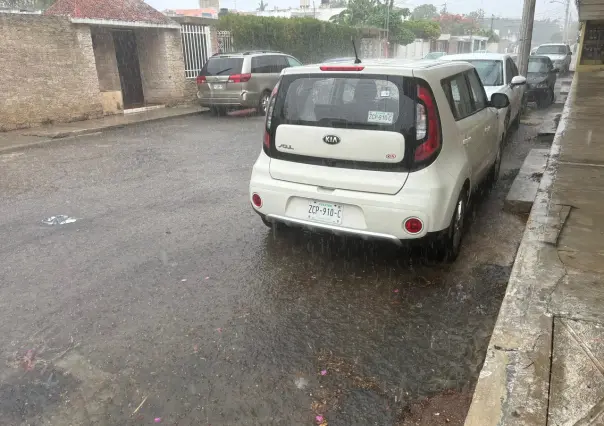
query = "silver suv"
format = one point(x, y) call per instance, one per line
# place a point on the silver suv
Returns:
point(241, 80)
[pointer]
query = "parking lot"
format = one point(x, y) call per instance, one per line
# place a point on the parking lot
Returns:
point(166, 300)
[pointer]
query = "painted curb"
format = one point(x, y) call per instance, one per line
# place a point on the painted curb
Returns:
point(513, 385)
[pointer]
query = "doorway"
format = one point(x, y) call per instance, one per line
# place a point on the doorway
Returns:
point(128, 67)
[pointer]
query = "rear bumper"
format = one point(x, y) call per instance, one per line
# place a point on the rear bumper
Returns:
point(365, 215)
point(244, 99)
point(333, 229)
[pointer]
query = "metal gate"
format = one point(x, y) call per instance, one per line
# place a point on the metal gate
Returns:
point(225, 42)
point(196, 48)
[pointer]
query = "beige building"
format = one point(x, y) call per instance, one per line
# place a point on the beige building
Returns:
point(80, 61)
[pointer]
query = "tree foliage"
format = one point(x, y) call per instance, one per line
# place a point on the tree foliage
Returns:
point(385, 15)
point(262, 6)
point(308, 39)
point(424, 11)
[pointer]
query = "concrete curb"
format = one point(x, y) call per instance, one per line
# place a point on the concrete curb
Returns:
point(69, 135)
point(514, 383)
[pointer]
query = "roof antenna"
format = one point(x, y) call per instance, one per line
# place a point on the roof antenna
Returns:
point(356, 55)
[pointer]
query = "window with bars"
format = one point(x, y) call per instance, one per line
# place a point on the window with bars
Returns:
point(196, 48)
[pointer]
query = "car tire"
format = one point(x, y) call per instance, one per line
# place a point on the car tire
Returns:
point(496, 167)
point(218, 111)
point(263, 103)
point(506, 126)
point(448, 247)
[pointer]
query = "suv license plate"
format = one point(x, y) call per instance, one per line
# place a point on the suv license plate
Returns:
point(320, 211)
point(218, 86)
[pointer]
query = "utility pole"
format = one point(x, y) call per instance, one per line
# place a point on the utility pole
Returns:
point(492, 20)
point(566, 21)
point(526, 35)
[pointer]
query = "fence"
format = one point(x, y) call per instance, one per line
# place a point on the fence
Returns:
point(225, 42)
point(196, 46)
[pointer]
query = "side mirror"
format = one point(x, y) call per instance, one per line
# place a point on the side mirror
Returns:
point(570, 53)
point(500, 100)
point(518, 81)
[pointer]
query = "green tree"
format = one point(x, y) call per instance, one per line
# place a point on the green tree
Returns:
point(424, 29)
point(379, 14)
point(424, 11)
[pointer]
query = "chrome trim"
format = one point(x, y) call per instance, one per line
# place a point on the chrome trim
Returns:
point(337, 230)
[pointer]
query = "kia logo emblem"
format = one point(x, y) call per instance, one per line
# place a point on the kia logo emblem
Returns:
point(331, 139)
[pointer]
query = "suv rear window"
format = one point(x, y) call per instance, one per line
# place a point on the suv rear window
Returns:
point(222, 66)
point(368, 102)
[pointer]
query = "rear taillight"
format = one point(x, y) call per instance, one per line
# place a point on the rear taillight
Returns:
point(427, 125)
point(201, 79)
point(266, 142)
point(239, 78)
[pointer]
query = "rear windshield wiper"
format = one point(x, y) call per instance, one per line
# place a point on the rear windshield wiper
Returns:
point(224, 70)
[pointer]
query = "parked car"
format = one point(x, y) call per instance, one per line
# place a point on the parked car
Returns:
point(499, 74)
point(241, 80)
point(559, 53)
point(378, 151)
point(434, 55)
point(541, 80)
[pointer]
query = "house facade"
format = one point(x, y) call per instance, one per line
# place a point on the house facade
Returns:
point(84, 59)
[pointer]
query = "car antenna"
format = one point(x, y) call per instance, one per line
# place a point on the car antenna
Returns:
point(357, 60)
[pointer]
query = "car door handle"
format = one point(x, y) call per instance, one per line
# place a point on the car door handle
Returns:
point(467, 140)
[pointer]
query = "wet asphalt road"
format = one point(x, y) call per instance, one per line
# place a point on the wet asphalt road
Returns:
point(168, 290)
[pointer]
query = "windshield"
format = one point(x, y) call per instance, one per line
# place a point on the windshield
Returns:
point(538, 66)
point(490, 72)
point(222, 66)
point(557, 49)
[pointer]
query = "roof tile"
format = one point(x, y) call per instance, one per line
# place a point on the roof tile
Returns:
point(118, 10)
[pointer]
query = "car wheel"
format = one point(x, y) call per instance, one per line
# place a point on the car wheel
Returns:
point(496, 167)
point(263, 105)
point(506, 126)
point(219, 111)
point(448, 248)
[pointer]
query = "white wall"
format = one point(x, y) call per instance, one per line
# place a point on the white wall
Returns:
point(416, 50)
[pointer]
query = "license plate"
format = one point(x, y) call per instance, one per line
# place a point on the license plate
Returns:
point(320, 211)
point(218, 86)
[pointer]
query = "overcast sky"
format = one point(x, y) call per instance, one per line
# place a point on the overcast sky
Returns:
point(505, 8)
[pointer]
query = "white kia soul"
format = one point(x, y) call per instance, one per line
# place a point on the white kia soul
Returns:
point(377, 150)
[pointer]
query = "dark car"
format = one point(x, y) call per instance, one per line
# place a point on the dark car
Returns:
point(541, 80)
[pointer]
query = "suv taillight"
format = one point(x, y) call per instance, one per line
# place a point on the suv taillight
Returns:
point(201, 79)
point(427, 126)
point(239, 78)
point(266, 142)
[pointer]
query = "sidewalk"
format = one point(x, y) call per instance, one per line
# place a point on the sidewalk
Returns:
point(545, 362)
point(19, 139)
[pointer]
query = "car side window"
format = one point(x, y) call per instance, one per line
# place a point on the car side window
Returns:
point(478, 95)
point(458, 94)
point(277, 63)
point(260, 65)
point(509, 72)
point(293, 62)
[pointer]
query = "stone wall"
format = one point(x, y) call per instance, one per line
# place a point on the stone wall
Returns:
point(162, 65)
point(48, 71)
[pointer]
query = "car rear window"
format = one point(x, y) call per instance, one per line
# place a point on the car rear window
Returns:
point(554, 49)
point(222, 66)
point(368, 102)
